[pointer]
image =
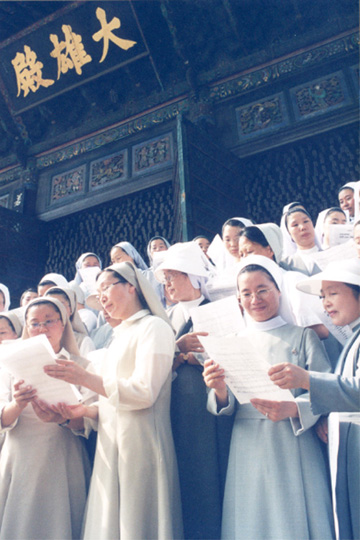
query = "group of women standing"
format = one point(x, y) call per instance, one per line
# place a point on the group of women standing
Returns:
point(177, 454)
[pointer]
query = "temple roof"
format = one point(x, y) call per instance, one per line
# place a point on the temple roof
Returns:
point(188, 44)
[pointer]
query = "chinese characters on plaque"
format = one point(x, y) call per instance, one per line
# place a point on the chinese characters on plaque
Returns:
point(69, 54)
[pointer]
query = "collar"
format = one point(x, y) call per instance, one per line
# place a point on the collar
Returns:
point(275, 322)
point(314, 249)
point(63, 353)
point(355, 324)
point(189, 304)
point(138, 315)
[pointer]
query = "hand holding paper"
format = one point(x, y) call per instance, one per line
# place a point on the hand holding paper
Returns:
point(25, 360)
point(246, 372)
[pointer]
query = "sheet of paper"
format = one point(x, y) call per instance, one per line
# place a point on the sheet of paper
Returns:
point(246, 372)
point(89, 276)
point(25, 359)
point(336, 253)
point(218, 318)
point(338, 234)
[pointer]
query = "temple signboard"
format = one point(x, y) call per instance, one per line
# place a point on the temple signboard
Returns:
point(67, 49)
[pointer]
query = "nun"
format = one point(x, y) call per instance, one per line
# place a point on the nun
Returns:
point(330, 216)
point(68, 298)
point(4, 298)
point(201, 440)
point(301, 229)
point(134, 490)
point(51, 280)
point(339, 288)
point(44, 467)
point(276, 485)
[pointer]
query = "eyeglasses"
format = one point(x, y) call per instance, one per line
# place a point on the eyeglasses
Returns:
point(172, 276)
point(105, 289)
point(260, 294)
point(47, 324)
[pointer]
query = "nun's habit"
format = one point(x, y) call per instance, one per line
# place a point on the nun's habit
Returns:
point(276, 485)
point(201, 440)
point(44, 468)
point(340, 392)
point(134, 490)
point(301, 260)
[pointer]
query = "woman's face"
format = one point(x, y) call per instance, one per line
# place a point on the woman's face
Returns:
point(50, 323)
point(2, 301)
point(231, 237)
point(90, 261)
point(26, 299)
point(203, 244)
point(178, 286)
point(357, 239)
point(116, 298)
point(339, 302)
point(6, 332)
point(301, 230)
point(247, 247)
point(157, 245)
point(118, 255)
point(346, 201)
point(258, 295)
point(336, 218)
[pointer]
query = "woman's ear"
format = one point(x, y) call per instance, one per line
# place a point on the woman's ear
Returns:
point(270, 252)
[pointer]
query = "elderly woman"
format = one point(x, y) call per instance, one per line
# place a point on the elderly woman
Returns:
point(339, 287)
point(196, 433)
point(43, 464)
point(134, 490)
point(276, 484)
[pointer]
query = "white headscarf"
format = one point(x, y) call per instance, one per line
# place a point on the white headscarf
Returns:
point(186, 257)
point(146, 293)
point(355, 186)
point(289, 246)
point(78, 265)
point(303, 210)
point(58, 279)
point(148, 249)
point(133, 253)
point(320, 223)
point(13, 320)
point(276, 273)
point(6, 293)
point(75, 319)
point(272, 233)
point(68, 339)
